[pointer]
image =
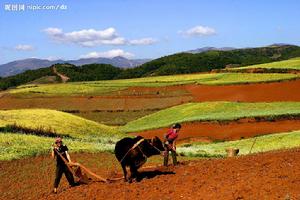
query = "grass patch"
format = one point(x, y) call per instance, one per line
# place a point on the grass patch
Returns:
point(79, 134)
point(263, 144)
point(106, 87)
point(16, 146)
point(59, 122)
point(212, 111)
point(285, 64)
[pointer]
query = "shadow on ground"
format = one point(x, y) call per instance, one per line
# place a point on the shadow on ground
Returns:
point(152, 174)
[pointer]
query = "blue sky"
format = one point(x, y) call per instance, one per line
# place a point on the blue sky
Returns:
point(141, 29)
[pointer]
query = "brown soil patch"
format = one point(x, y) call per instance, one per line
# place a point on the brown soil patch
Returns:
point(152, 92)
point(114, 118)
point(266, 92)
point(32, 178)
point(210, 131)
point(144, 98)
point(90, 103)
point(273, 175)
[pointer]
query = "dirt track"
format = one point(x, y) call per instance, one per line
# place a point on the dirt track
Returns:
point(273, 175)
point(210, 131)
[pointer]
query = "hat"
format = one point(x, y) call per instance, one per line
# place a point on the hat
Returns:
point(58, 139)
point(177, 125)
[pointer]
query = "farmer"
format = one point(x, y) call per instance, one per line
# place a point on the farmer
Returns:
point(170, 144)
point(61, 167)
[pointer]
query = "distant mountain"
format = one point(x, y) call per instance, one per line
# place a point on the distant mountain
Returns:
point(205, 49)
point(280, 45)
point(116, 61)
point(19, 66)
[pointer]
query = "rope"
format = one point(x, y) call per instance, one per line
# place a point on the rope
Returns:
point(89, 171)
point(137, 145)
point(133, 147)
point(253, 144)
point(142, 152)
point(65, 161)
point(69, 164)
point(155, 147)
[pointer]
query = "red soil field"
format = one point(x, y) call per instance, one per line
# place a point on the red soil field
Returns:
point(253, 92)
point(210, 131)
point(143, 98)
point(111, 103)
point(273, 175)
point(266, 92)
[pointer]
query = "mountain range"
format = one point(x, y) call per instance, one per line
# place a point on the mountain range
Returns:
point(179, 63)
point(204, 49)
point(19, 66)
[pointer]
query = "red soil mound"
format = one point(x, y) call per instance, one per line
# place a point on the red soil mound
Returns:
point(209, 131)
point(264, 176)
point(267, 92)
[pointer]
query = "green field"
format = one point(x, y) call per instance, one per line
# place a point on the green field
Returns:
point(80, 134)
point(16, 146)
point(211, 111)
point(262, 144)
point(106, 87)
point(285, 64)
point(60, 122)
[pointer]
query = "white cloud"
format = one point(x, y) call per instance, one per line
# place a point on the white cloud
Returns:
point(53, 31)
point(86, 37)
point(143, 41)
point(108, 54)
point(199, 31)
point(92, 37)
point(24, 47)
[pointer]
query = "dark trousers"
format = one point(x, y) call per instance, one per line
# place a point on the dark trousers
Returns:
point(60, 169)
point(166, 157)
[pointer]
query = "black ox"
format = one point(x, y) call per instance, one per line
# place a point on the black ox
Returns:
point(133, 152)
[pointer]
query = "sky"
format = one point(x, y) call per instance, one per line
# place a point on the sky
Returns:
point(68, 29)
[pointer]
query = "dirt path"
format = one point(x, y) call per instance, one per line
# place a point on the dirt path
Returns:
point(273, 175)
point(64, 78)
point(210, 131)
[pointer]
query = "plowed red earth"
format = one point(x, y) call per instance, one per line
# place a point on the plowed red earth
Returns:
point(267, 92)
point(265, 176)
point(210, 131)
point(272, 175)
point(115, 103)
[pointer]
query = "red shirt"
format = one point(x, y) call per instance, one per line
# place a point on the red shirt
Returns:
point(171, 135)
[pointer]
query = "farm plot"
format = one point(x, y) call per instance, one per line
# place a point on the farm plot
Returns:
point(212, 111)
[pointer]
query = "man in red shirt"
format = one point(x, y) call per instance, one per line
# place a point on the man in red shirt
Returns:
point(170, 144)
